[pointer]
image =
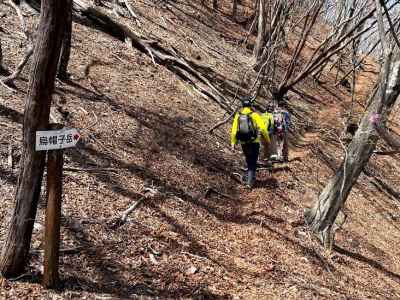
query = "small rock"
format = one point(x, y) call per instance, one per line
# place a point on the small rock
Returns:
point(296, 222)
point(37, 227)
point(192, 270)
point(153, 259)
point(300, 234)
point(304, 259)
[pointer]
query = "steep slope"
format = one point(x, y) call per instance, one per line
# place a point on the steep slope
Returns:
point(144, 128)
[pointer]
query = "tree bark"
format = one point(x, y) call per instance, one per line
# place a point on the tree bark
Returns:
point(262, 32)
point(234, 9)
point(3, 70)
point(66, 44)
point(1, 59)
point(37, 108)
point(389, 138)
point(215, 5)
point(53, 217)
point(322, 215)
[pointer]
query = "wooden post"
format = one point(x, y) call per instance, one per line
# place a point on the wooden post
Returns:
point(16, 245)
point(53, 215)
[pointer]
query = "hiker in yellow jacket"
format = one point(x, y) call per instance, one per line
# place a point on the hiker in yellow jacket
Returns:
point(247, 127)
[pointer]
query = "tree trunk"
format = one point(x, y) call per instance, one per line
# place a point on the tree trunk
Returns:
point(37, 108)
point(66, 44)
point(322, 215)
point(234, 9)
point(2, 70)
point(215, 5)
point(1, 57)
point(389, 138)
point(262, 33)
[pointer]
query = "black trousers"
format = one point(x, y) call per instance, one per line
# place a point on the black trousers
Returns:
point(251, 152)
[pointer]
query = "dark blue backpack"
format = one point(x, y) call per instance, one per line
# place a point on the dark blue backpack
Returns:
point(247, 131)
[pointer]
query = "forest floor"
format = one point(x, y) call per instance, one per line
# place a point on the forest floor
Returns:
point(143, 128)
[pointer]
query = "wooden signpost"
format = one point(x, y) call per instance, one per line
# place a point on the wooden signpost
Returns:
point(54, 141)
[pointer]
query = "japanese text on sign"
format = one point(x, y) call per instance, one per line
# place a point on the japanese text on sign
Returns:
point(56, 139)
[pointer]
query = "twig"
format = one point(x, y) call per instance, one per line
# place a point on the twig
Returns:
point(9, 80)
point(386, 152)
point(237, 177)
point(132, 13)
point(72, 169)
point(130, 209)
point(10, 156)
point(149, 193)
point(194, 255)
point(67, 251)
point(7, 86)
point(96, 120)
point(25, 275)
point(222, 122)
point(210, 190)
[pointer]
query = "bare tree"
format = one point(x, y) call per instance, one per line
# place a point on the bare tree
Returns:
point(234, 8)
point(37, 108)
point(262, 32)
point(345, 34)
point(215, 5)
point(1, 60)
point(66, 44)
point(321, 217)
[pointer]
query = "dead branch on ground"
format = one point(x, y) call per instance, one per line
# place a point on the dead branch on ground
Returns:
point(148, 193)
point(29, 49)
point(169, 57)
point(210, 190)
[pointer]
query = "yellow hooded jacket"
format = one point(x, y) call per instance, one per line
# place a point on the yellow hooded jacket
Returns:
point(262, 128)
point(268, 119)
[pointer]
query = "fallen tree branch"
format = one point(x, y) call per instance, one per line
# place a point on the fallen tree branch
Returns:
point(148, 193)
point(8, 81)
point(219, 124)
point(386, 152)
point(72, 169)
point(131, 11)
point(89, 16)
point(130, 209)
point(67, 251)
point(210, 190)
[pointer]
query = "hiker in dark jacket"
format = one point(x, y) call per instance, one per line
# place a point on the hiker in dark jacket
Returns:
point(246, 128)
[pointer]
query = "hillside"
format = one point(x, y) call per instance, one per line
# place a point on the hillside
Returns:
point(145, 128)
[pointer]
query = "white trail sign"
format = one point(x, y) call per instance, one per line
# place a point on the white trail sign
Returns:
point(56, 139)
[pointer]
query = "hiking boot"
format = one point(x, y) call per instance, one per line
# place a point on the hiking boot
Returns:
point(251, 178)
